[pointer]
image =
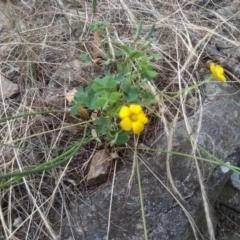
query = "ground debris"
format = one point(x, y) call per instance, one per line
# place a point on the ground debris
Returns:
point(7, 88)
point(70, 95)
point(100, 167)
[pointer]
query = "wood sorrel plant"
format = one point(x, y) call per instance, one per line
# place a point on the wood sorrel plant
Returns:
point(123, 86)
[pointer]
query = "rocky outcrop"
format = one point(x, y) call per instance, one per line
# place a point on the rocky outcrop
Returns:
point(166, 219)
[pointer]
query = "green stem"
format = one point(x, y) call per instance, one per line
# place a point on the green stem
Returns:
point(216, 160)
point(30, 114)
point(16, 176)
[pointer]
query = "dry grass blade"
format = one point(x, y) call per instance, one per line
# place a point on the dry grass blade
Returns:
point(40, 45)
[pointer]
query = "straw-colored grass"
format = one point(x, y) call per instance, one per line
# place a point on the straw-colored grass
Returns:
point(38, 38)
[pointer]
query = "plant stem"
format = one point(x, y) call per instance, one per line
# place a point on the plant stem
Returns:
point(16, 176)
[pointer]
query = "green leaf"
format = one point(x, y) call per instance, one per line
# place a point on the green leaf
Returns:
point(145, 98)
point(106, 21)
point(135, 54)
point(86, 97)
point(148, 72)
point(92, 100)
point(118, 52)
point(119, 78)
point(111, 83)
point(126, 49)
point(122, 138)
point(74, 108)
point(151, 74)
point(99, 121)
point(109, 61)
point(125, 69)
point(107, 73)
point(114, 97)
point(156, 56)
point(101, 84)
point(132, 94)
point(103, 100)
point(80, 96)
point(146, 94)
point(86, 58)
point(115, 109)
point(144, 60)
point(125, 86)
point(93, 26)
point(102, 125)
point(119, 138)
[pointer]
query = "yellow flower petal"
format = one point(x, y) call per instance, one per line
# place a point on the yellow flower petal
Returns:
point(135, 109)
point(222, 78)
point(218, 72)
point(212, 68)
point(133, 118)
point(142, 118)
point(137, 127)
point(124, 112)
point(126, 124)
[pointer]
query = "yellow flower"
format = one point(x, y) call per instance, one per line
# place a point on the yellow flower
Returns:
point(218, 72)
point(133, 118)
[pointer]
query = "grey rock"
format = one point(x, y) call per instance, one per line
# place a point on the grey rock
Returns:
point(100, 167)
point(228, 221)
point(7, 88)
point(235, 180)
point(235, 236)
point(228, 48)
point(166, 220)
point(230, 196)
point(4, 25)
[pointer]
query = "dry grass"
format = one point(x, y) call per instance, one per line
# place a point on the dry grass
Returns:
point(40, 48)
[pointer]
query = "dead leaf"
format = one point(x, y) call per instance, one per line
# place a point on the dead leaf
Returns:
point(94, 115)
point(100, 167)
point(193, 102)
point(82, 112)
point(114, 155)
point(96, 45)
point(70, 95)
point(7, 88)
point(71, 119)
point(94, 134)
point(99, 61)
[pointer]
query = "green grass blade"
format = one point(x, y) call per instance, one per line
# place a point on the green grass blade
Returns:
point(29, 114)
point(94, 6)
point(139, 30)
point(149, 34)
point(16, 176)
